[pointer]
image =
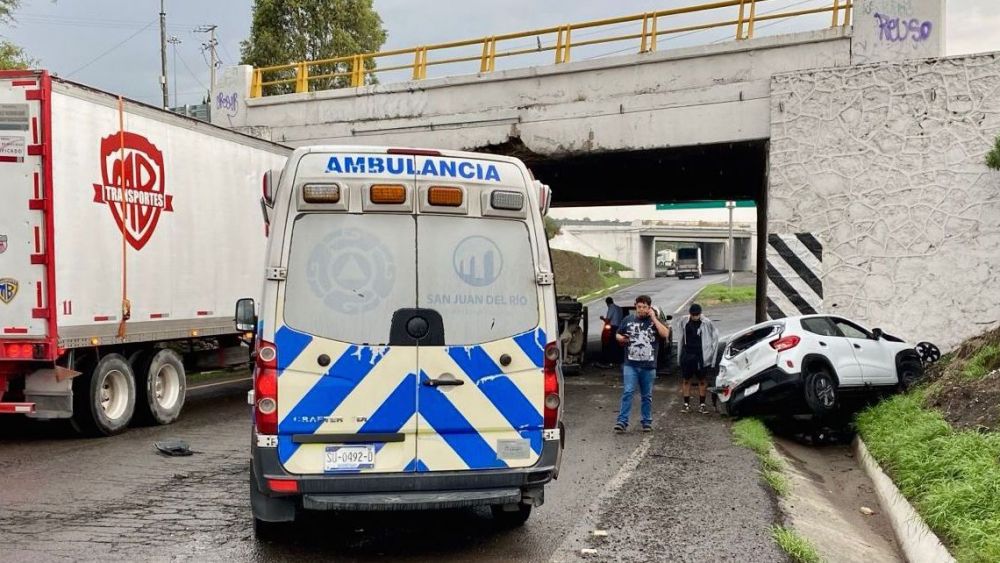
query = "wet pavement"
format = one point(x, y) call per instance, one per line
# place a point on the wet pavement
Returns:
point(682, 493)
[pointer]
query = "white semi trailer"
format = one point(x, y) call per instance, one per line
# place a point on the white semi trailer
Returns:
point(126, 234)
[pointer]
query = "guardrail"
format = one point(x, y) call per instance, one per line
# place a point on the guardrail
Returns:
point(361, 69)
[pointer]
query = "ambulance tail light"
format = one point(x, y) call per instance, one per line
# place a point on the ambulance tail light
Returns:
point(544, 197)
point(506, 200)
point(283, 485)
point(445, 196)
point(321, 193)
point(393, 194)
point(267, 188)
point(265, 388)
point(551, 391)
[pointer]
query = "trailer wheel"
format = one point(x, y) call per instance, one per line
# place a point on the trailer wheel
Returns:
point(161, 388)
point(104, 399)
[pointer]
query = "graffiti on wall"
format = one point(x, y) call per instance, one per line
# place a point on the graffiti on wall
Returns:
point(227, 103)
point(898, 29)
point(888, 30)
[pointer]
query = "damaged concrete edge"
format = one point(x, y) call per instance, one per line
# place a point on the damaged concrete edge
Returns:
point(915, 538)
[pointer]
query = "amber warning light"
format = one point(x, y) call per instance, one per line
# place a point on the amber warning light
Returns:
point(388, 194)
point(445, 196)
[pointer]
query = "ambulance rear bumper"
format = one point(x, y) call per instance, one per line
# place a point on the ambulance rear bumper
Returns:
point(409, 491)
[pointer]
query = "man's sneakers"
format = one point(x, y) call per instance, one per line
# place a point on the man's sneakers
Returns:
point(647, 428)
point(686, 409)
point(620, 428)
point(703, 409)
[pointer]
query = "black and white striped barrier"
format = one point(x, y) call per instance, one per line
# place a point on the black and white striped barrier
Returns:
point(794, 274)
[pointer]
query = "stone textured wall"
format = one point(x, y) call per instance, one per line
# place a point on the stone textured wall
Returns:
point(884, 164)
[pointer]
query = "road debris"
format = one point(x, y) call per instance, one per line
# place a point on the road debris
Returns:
point(173, 448)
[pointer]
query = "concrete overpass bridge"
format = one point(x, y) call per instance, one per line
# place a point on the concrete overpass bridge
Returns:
point(634, 245)
point(862, 147)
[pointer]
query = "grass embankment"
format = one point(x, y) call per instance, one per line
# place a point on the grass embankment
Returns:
point(721, 294)
point(797, 547)
point(587, 276)
point(753, 435)
point(952, 477)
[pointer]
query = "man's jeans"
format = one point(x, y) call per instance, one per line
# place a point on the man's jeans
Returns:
point(643, 378)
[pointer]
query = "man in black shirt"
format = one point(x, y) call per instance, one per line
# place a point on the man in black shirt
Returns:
point(638, 334)
point(698, 342)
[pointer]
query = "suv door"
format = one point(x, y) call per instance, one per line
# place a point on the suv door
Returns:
point(346, 395)
point(481, 390)
point(837, 348)
point(869, 353)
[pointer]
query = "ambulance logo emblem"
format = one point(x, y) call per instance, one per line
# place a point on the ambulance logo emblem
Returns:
point(3, 244)
point(134, 191)
point(8, 289)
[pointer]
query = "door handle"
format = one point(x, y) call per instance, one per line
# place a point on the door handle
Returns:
point(857, 346)
point(823, 344)
point(442, 382)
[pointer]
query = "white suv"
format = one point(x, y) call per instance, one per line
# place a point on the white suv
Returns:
point(811, 363)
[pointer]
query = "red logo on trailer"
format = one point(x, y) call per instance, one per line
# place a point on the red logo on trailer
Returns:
point(135, 193)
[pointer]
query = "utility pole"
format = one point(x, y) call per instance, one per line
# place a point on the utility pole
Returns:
point(210, 47)
point(174, 42)
point(730, 205)
point(163, 54)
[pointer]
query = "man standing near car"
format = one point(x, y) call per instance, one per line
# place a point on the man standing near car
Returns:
point(698, 342)
point(611, 352)
point(638, 334)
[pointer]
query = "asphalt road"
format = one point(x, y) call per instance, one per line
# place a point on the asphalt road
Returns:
point(682, 493)
point(668, 293)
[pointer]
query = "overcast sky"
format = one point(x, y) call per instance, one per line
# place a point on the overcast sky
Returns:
point(114, 44)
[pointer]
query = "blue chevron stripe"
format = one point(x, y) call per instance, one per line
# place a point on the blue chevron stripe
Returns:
point(416, 466)
point(290, 344)
point(500, 391)
point(397, 408)
point(455, 429)
point(533, 345)
point(328, 393)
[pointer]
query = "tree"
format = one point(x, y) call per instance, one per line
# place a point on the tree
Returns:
point(551, 228)
point(289, 31)
point(993, 157)
point(11, 56)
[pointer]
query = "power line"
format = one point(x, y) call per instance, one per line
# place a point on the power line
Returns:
point(88, 22)
point(232, 60)
point(191, 72)
point(111, 49)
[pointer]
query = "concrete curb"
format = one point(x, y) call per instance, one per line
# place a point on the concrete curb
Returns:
point(918, 543)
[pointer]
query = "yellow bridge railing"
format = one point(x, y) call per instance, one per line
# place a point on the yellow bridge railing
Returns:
point(358, 70)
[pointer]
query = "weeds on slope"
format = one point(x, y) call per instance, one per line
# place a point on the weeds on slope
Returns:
point(753, 435)
point(951, 477)
point(797, 547)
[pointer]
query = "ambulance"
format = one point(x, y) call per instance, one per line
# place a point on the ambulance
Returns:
point(406, 347)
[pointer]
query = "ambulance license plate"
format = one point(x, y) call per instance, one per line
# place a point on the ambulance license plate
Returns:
point(347, 458)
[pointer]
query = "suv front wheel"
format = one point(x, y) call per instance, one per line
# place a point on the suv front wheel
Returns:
point(820, 389)
point(909, 372)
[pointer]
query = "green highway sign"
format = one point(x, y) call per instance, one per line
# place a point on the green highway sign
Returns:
point(716, 204)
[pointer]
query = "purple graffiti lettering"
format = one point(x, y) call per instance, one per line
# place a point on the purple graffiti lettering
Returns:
point(230, 103)
point(898, 29)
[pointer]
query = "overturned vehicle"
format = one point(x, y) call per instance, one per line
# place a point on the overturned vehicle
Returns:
point(814, 364)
